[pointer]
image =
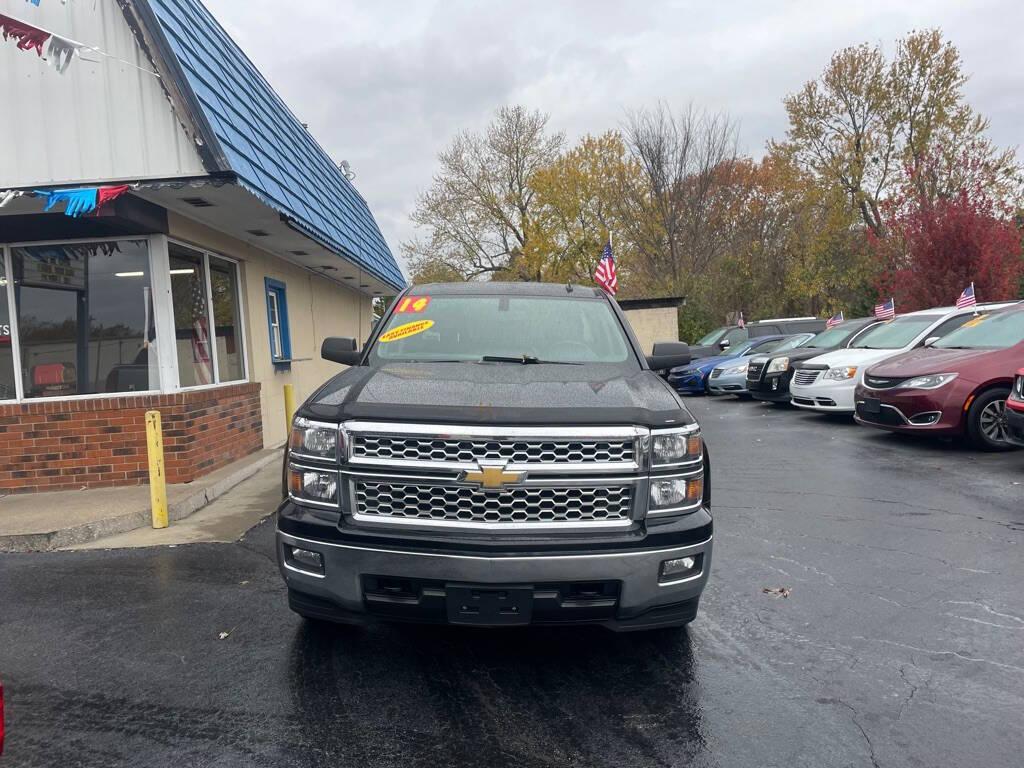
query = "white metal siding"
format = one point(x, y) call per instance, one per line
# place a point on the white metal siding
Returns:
point(98, 121)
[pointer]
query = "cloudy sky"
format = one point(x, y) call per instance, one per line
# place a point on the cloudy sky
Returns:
point(386, 84)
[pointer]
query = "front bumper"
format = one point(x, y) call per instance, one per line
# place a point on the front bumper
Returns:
point(691, 383)
point(731, 384)
point(825, 396)
point(772, 387)
point(345, 590)
point(936, 411)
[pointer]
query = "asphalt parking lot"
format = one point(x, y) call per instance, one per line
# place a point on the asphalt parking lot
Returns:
point(900, 643)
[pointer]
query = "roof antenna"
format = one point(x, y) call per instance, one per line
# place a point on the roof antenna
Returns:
point(568, 286)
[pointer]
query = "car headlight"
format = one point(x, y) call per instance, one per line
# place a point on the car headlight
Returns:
point(676, 447)
point(313, 485)
point(933, 381)
point(841, 374)
point(314, 439)
point(670, 492)
point(735, 370)
point(778, 364)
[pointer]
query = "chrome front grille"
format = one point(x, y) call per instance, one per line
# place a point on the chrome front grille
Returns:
point(515, 451)
point(804, 376)
point(386, 500)
point(754, 371)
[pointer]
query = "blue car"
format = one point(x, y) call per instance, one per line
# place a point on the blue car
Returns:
point(692, 379)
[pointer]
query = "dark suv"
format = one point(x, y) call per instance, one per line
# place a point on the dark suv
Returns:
point(500, 453)
point(721, 339)
point(768, 376)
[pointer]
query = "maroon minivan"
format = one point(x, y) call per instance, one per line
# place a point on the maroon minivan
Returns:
point(956, 385)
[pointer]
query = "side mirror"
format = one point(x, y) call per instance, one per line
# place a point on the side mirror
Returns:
point(668, 354)
point(724, 344)
point(339, 349)
point(931, 340)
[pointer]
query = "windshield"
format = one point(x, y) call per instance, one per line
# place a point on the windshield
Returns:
point(711, 337)
point(833, 337)
point(503, 329)
point(895, 334)
point(995, 331)
point(793, 342)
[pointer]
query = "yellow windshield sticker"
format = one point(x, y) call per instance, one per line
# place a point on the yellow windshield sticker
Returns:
point(974, 321)
point(407, 330)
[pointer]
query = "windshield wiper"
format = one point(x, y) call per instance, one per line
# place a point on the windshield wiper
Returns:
point(523, 360)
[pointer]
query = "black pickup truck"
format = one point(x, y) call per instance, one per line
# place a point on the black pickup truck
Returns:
point(498, 454)
point(768, 376)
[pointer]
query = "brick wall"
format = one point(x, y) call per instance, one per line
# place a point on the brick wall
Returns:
point(51, 445)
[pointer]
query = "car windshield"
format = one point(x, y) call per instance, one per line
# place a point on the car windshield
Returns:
point(833, 337)
point(793, 342)
point(500, 328)
point(994, 331)
point(711, 337)
point(897, 333)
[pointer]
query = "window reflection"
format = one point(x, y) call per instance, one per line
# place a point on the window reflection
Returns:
point(85, 318)
point(191, 318)
point(7, 388)
point(224, 289)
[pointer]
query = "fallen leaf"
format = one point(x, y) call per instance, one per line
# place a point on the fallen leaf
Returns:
point(224, 634)
point(776, 591)
point(243, 583)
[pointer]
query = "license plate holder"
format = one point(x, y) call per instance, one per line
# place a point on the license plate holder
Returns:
point(871, 405)
point(489, 605)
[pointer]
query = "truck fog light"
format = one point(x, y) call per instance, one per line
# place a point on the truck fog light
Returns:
point(680, 568)
point(305, 559)
point(312, 485)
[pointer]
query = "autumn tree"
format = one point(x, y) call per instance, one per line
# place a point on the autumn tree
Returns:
point(672, 211)
point(575, 208)
point(866, 118)
point(477, 212)
point(935, 247)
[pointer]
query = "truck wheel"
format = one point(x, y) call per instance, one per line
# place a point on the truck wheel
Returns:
point(986, 421)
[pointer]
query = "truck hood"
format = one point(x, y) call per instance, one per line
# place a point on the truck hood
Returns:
point(498, 393)
point(800, 353)
point(857, 357)
point(920, 362)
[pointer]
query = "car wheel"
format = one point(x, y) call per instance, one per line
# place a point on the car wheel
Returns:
point(986, 421)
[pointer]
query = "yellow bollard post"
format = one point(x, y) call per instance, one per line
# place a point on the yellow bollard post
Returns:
point(289, 409)
point(157, 478)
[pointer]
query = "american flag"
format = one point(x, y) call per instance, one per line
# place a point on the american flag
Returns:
point(740, 322)
point(200, 334)
point(605, 275)
point(967, 298)
point(886, 310)
point(834, 321)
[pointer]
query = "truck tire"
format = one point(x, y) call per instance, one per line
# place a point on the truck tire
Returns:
point(986, 420)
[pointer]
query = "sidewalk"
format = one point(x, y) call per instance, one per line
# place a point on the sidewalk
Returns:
point(35, 522)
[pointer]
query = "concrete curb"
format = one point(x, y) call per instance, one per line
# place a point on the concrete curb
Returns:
point(129, 521)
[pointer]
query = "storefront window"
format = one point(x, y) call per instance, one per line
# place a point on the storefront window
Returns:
point(85, 318)
point(7, 388)
point(205, 358)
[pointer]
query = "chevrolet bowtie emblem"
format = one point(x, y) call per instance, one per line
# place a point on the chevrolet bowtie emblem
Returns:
point(491, 476)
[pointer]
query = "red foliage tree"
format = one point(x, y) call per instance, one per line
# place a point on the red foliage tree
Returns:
point(936, 243)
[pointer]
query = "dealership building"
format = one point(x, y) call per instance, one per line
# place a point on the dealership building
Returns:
point(171, 238)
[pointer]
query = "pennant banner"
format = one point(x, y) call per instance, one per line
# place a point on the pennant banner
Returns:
point(81, 201)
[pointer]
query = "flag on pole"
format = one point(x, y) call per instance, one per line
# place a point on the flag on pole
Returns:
point(967, 298)
point(834, 321)
point(605, 275)
point(740, 322)
point(886, 310)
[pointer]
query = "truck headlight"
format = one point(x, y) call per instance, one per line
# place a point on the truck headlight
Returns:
point(778, 364)
point(841, 374)
point(313, 485)
point(671, 492)
point(676, 447)
point(934, 381)
point(314, 439)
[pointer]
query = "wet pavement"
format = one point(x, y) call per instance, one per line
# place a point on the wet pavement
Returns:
point(901, 641)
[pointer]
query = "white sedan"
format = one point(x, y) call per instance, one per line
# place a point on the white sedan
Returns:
point(826, 383)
